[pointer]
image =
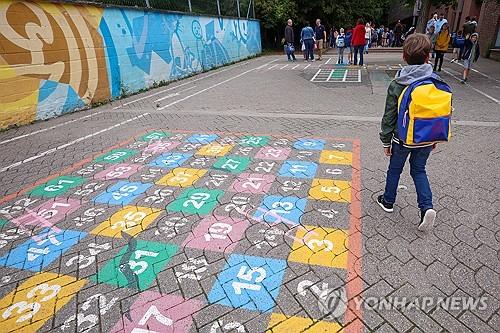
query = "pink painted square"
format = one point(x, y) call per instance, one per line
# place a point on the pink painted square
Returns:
point(255, 183)
point(48, 214)
point(161, 146)
point(152, 312)
point(217, 233)
point(273, 153)
point(118, 171)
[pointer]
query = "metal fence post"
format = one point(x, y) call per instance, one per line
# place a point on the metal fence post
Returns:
point(238, 4)
point(147, 4)
point(249, 7)
point(218, 7)
point(190, 8)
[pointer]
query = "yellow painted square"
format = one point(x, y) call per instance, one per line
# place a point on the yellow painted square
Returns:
point(131, 220)
point(182, 177)
point(335, 157)
point(320, 246)
point(36, 300)
point(331, 190)
point(214, 149)
point(280, 323)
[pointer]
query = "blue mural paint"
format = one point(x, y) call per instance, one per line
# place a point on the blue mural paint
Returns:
point(40, 251)
point(111, 59)
point(170, 160)
point(249, 282)
point(202, 138)
point(298, 169)
point(122, 193)
point(275, 208)
point(309, 144)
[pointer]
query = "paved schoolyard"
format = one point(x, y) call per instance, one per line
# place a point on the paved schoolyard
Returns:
point(242, 200)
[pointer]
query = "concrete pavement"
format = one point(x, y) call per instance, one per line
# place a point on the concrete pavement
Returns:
point(242, 199)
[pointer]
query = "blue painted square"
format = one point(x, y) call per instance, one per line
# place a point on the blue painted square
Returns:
point(202, 138)
point(276, 209)
point(309, 144)
point(41, 250)
point(122, 193)
point(249, 282)
point(298, 169)
point(170, 160)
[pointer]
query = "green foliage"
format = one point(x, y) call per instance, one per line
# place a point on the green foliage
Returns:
point(274, 13)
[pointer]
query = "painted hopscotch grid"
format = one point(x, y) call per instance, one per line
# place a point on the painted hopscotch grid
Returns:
point(228, 219)
point(338, 74)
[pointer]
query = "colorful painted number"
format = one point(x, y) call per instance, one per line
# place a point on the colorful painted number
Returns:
point(182, 177)
point(330, 190)
point(233, 164)
point(154, 136)
point(253, 183)
point(202, 138)
point(273, 153)
point(336, 157)
point(309, 144)
point(214, 149)
point(131, 220)
point(118, 171)
point(298, 169)
point(116, 156)
point(254, 141)
point(196, 201)
point(170, 160)
point(275, 209)
point(57, 186)
point(122, 193)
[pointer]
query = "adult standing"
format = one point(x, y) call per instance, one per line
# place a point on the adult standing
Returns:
point(431, 23)
point(320, 33)
point(398, 33)
point(469, 27)
point(307, 37)
point(368, 36)
point(289, 40)
point(440, 22)
point(358, 41)
point(441, 46)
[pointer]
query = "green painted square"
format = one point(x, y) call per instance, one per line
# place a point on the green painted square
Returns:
point(57, 186)
point(233, 164)
point(136, 265)
point(196, 201)
point(154, 136)
point(254, 141)
point(3, 222)
point(116, 156)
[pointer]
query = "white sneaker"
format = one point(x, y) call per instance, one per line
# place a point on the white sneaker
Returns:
point(427, 220)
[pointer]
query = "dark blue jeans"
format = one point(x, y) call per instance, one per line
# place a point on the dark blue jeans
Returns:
point(358, 49)
point(418, 160)
point(309, 44)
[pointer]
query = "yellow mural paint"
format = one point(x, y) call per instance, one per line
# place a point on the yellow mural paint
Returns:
point(331, 190)
point(281, 323)
point(131, 220)
point(182, 177)
point(36, 300)
point(214, 149)
point(335, 157)
point(320, 246)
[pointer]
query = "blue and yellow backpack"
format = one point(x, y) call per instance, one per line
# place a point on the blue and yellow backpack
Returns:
point(424, 112)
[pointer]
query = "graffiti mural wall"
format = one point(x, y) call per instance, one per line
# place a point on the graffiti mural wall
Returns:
point(57, 58)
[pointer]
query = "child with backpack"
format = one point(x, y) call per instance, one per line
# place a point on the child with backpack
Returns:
point(470, 54)
point(458, 45)
point(347, 42)
point(412, 125)
point(341, 46)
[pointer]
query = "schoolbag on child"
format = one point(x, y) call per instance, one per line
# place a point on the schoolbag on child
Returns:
point(341, 41)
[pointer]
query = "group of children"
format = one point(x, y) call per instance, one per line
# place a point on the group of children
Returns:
point(465, 48)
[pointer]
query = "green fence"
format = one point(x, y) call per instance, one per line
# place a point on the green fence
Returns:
point(235, 8)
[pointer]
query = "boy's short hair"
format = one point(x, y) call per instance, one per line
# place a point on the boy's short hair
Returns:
point(416, 49)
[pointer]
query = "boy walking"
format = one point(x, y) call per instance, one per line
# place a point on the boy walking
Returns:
point(470, 54)
point(405, 132)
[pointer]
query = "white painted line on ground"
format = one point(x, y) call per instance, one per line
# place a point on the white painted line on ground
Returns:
point(330, 76)
point(314, 77)
point(359, 75)
point(307, 66)
point(345, 76)
point(478, 72)
point(215, 85)
point(284, 66)
point(180, 85)
point(49, 128)
point(271, 67)
point(50, 151)
point(329, 59)
point(295, 66)
point(475, 89)
point(173, 95)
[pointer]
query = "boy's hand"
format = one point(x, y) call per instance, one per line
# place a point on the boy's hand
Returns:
point(434, 146)
point(387, 151)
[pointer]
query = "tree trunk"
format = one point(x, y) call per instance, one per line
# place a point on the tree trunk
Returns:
point(424, 16)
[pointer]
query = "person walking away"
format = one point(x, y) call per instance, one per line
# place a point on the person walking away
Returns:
point(441, 46)
point(331, 41)
point(335, 35)
point(348, 45)
point(358, 41)
point(289, 40)
point(385, 38)
point(398, 33)
point(320, 34)
point(368, 36)
point(341, 46)
point(391, 38)
point(440, 22)
point(470, 54)
point(307, 37)
point(431, 34)
point(426, 103)
point(431, 23)
point(458, 45)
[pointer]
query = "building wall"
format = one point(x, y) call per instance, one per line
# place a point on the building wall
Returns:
point(57, 58)
point(489, 23)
